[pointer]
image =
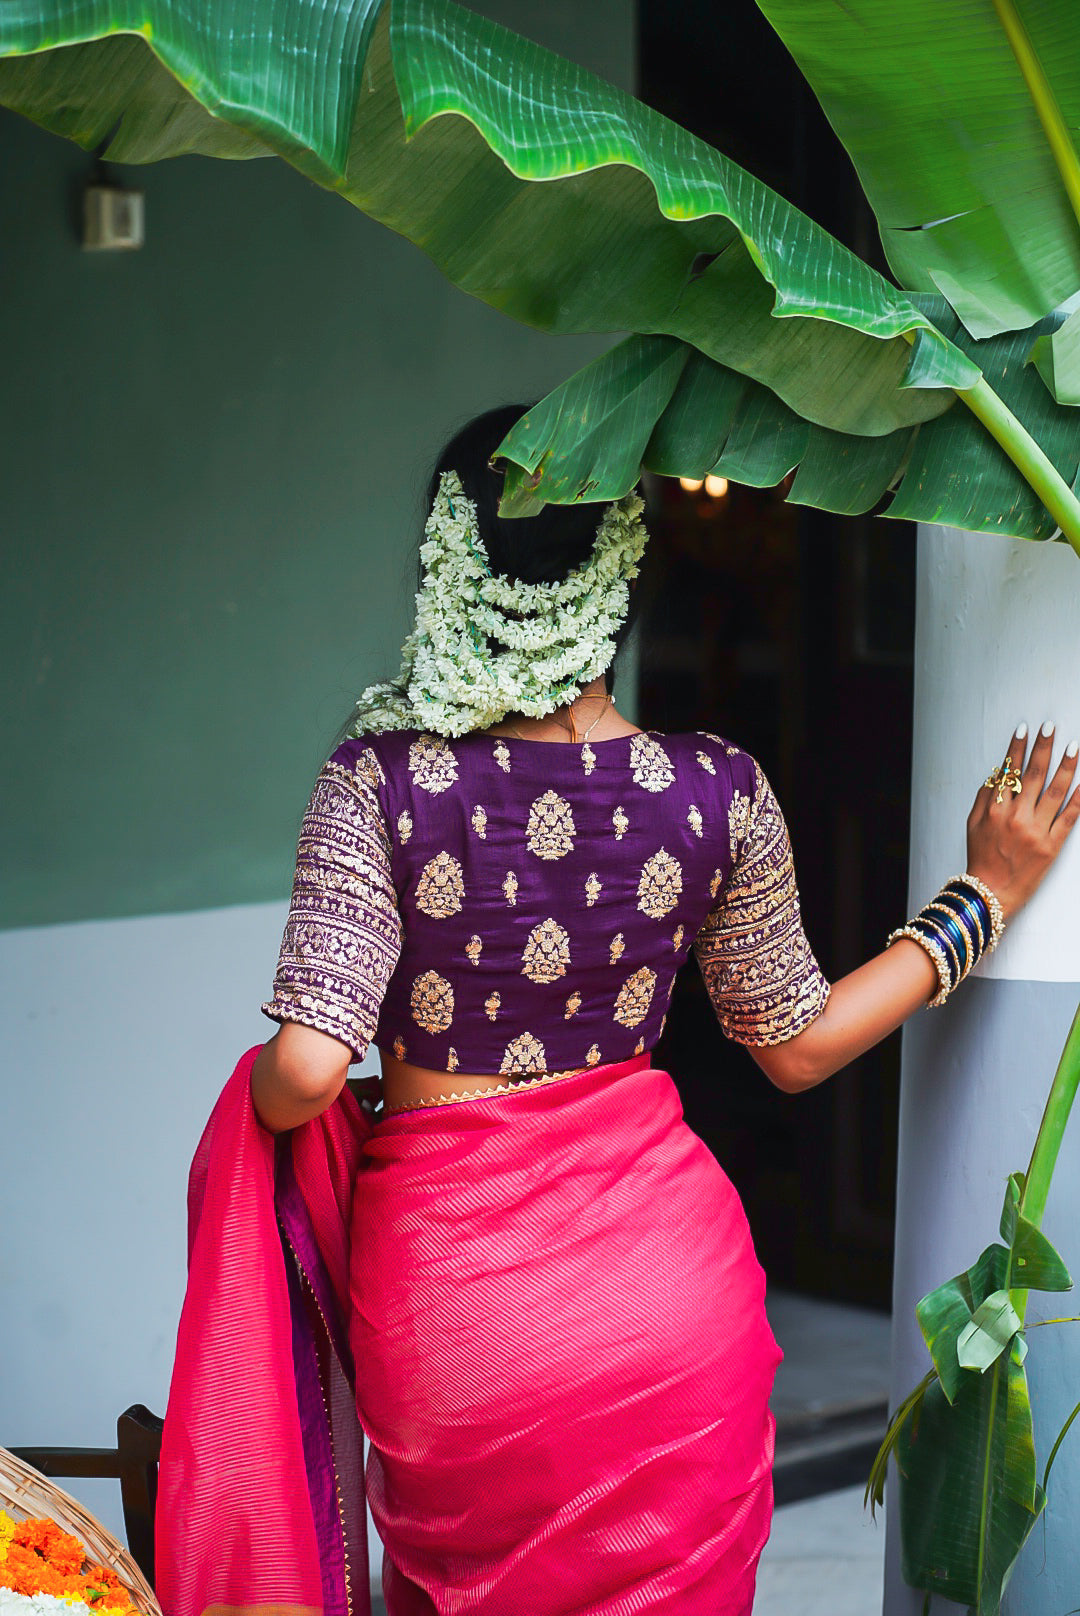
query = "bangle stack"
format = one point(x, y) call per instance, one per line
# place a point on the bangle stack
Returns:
point(964, 922)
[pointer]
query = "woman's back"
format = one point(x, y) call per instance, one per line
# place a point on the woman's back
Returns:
point(526, 904)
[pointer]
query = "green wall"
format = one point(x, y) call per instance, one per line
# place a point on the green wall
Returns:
point(211, 458)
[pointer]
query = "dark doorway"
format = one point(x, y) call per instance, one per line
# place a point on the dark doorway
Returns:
point(790, 631)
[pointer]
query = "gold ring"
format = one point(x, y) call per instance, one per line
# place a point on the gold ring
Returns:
point(1005, 778)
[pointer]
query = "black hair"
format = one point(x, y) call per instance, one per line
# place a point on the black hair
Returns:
point(530, 549)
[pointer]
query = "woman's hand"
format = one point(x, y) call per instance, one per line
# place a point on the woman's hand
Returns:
point(1012, 843)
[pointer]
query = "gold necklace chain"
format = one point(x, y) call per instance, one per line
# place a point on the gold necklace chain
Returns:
point(608, 702)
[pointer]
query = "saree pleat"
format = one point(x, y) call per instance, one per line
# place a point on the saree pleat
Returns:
point(565, 1358)
point(260, 1505)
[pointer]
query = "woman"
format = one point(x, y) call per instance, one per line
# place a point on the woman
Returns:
point(562, 1358)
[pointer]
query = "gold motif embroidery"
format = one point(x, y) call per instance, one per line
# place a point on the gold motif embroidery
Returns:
point(762, 977)
point(510, 888)
point(342, 938)
point(593, 888)
point(524, 1054)
point(432, 1002)
point(479, 822)
point(650, 763)
point(369, 769)
point(693, 819)
point(502, 756)
point(660, 885)
point(432, 764)
point(639, 1047)
point(399, 1047)
point(550, 832)
point(491, 1005)
point(616, 948)
point(404, 825)
point(635, 997)
point(452, 1062)
point(677, 940)
point(474, 948)
point(621, 823)
point(706, 762)
point(573, 1005)
point(547, 952)
point(440, 890)
point(588, 758)
point(716, 882)
point(593, 1056)
point(738, 822)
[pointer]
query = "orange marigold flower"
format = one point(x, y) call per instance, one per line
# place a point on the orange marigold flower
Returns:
point(103, 1577)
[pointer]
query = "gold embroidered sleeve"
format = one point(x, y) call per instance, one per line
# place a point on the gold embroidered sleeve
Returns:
point(343, 935)
point(763, 979)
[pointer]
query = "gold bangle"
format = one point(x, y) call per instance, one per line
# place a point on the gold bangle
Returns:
point(936, 953)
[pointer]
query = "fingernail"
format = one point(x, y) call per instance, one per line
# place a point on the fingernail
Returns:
point(1072, 749)
point(1047, 729)
point(1021, 732)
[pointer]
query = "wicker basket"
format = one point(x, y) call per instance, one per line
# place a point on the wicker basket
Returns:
point(24, 1492)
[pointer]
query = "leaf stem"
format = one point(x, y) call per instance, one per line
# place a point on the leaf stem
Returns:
point(1044, 1153)
point(1032, 463)
point(1044, 100)
point(984, 1512)
point(1062, 1434)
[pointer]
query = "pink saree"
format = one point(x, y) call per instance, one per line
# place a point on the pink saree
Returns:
point(563, 1362)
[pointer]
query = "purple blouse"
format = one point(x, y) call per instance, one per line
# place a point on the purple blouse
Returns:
point(509, 906)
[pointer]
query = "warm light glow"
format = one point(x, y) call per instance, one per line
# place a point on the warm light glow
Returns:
point(715, 487)
point(690, 485)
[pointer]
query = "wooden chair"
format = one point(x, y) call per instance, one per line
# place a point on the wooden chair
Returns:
point(133, 1462)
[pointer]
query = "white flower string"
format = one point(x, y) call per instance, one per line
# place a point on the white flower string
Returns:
point(484, 645)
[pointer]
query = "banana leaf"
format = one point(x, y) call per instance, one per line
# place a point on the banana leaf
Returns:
point(686, 416)
point(963, 1439)
point(570, 206)
point(969, 1497)
point(532, 184)
point(961, 118)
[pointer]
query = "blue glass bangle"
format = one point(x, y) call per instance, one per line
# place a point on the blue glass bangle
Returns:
point(973, 896)
point(928, 929)
point(970, 921)
point(954, 931)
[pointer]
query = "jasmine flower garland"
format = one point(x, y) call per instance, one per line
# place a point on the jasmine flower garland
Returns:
point(485, 645)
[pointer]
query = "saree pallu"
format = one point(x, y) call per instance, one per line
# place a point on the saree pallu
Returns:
point(562, 1362)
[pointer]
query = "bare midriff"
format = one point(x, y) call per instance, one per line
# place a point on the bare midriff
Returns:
point(404, 1084)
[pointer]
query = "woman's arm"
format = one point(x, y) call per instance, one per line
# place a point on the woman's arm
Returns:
point(296, 1075)
point(341, 943)
point(1011, 845)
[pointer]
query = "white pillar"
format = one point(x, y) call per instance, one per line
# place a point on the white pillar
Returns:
point(997, 642)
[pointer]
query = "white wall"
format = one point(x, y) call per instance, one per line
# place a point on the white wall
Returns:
point(996, 643)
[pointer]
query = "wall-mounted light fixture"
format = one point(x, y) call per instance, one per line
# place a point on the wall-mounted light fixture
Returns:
point(715, 487)
point(113, 216)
